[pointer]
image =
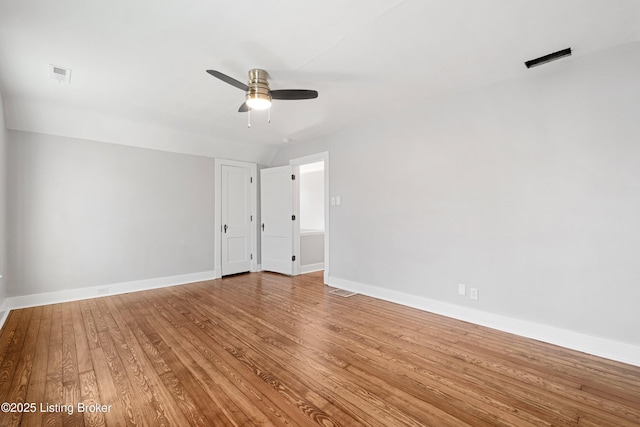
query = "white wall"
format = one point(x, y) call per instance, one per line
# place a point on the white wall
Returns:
point(84, 213)
point(3, 205)
point(528, 190)
point(50, 118)
point(312, 200)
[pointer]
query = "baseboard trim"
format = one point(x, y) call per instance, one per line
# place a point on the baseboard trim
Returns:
point(33, 300)
point(4, 314)
point(614, 350)
point(310, 268)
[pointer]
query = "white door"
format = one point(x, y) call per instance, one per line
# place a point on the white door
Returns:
point(236, 219)
point(277, 217)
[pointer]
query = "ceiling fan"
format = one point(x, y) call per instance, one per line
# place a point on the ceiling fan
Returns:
point(258, 94)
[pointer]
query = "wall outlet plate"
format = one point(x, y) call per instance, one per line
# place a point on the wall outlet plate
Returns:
point(473, 293)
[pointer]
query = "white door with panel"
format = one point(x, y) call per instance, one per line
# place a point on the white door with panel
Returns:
point(278, 218)
point(236, 219)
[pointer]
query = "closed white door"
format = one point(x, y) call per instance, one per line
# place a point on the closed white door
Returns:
point(277, 216)
point(236, 219)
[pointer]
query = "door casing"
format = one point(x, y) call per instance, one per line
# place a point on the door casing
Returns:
point(218, 213)
point(236, 219)
point(322, 156)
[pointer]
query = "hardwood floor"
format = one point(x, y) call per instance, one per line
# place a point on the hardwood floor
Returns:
point(264, 349)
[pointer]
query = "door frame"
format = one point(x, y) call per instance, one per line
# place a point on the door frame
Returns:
point(217, 236)
point(313, 158)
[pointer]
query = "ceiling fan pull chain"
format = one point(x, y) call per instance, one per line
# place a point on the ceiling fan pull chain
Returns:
point(249, 118)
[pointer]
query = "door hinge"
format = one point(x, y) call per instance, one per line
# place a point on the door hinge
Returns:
point(251, 256)
point(293, 177)
point(250, 218)
point(293, 217)
point(251, 179)
point(293, 258)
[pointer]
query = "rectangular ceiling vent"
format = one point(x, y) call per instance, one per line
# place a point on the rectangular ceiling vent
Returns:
point(60, 74)
point(548, 58)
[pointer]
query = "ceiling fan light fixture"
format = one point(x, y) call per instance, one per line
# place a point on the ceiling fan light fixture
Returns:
point(258, 101)
point(258, 94)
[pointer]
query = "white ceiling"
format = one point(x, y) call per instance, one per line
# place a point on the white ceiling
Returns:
point(143, 62)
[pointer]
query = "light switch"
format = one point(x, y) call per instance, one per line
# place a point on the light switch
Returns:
point(338, 200)
point(462, 289)
point(333, 201)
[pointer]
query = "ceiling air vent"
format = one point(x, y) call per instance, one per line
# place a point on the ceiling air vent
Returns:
point(548, 58)
point(60, 74)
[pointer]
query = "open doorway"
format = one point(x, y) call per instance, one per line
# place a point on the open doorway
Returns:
point(312, 217)
point(311, 232)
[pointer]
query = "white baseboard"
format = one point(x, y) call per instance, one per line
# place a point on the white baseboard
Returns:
point(33, 300)
point(609, 349)
point(310, 268)
point(3, 316)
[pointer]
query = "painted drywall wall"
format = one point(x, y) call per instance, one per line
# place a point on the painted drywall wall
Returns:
point(3, 204)
point(311, 248)
point(527, 190)
point(84, 213)
point(50, 118)
point(312, 200)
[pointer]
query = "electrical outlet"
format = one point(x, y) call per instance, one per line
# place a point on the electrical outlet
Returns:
point(473, 293)
point(103, 291)
point(462, 289)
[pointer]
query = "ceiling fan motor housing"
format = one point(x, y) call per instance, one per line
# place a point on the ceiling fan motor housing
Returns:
point(258, 94)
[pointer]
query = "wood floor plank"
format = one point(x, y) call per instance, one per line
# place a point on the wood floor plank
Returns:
point(38, 377)
point(8, 332)
point(115, 397)
point(83, 353)
point(53, 386)
point(17, 391)
point(70, 379)
point(90, 327)
point(91, 396)
point(12, 356)
point(266, 349)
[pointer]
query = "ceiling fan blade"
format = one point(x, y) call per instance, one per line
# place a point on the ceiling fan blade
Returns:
point(243, 108)
point(292, 94)
point(227, 79)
